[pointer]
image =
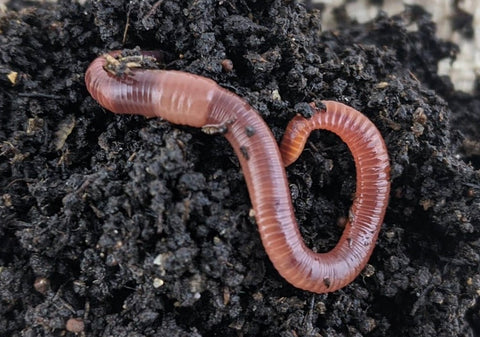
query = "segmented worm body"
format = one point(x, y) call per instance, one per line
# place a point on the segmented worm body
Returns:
point(188, 99)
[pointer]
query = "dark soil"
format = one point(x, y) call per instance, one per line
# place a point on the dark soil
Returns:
point(138, 227)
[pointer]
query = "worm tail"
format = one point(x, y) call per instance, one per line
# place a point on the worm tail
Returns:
point(371, 196)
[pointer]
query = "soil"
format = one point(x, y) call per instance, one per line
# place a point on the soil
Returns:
point(125, 226)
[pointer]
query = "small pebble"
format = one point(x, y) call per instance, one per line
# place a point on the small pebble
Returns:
point(75, 325)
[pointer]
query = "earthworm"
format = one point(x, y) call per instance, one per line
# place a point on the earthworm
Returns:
point(188, 99)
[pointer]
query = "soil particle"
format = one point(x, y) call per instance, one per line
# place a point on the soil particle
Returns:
point(142, 228)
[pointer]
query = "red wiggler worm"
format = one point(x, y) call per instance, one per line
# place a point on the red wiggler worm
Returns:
point(187, 99)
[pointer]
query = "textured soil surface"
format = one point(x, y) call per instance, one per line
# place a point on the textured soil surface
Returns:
point(122, 226)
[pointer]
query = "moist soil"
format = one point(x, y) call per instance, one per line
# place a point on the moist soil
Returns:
point(125, 226)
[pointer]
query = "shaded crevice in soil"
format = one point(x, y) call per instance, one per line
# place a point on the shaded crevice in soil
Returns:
point(142, 228)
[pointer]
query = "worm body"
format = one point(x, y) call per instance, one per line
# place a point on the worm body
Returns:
point(193, 100)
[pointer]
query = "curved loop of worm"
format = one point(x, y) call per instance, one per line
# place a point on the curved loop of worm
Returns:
point(188, 99)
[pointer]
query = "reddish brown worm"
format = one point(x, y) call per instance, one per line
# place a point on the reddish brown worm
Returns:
point(188, 99)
